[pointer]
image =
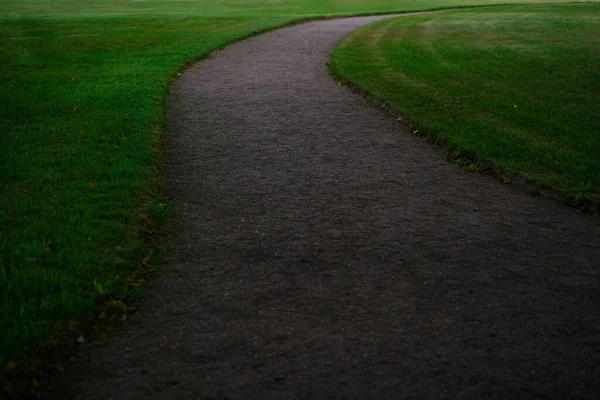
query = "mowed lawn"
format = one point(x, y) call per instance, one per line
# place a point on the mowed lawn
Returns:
point(82, 90)
point(517, 87)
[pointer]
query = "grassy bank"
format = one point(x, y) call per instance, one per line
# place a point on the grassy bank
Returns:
point(515, 86)
point(81, 127)
point(81, 102)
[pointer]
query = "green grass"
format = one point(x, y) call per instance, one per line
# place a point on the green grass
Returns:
point(515, 86)
point(81, 118)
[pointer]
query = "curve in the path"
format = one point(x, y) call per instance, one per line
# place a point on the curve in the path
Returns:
point(321, 251)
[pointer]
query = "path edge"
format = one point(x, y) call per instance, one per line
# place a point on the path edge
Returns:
point(475, 162)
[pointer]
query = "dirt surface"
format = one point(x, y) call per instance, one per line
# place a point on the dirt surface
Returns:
point(322, 251)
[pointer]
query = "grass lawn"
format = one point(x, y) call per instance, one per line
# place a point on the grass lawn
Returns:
point(83, 83)
point(516, 86)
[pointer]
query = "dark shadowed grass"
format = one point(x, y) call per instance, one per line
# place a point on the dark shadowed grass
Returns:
point(82, 89)
point(517, 86)
point(81, 119)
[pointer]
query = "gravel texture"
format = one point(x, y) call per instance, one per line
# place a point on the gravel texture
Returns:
point(322, 251)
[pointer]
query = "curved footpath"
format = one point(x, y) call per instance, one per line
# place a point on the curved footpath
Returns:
point(322, 251)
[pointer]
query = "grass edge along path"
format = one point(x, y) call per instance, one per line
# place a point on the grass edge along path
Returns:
point(129, 257)
point(72, 200)
point(393, 79)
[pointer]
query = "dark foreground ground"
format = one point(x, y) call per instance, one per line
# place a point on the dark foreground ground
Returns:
point(321, 251)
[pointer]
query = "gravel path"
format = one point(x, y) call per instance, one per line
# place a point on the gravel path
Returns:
point(321, 251)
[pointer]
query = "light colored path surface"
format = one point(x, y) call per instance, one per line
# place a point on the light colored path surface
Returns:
point(321, 251)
